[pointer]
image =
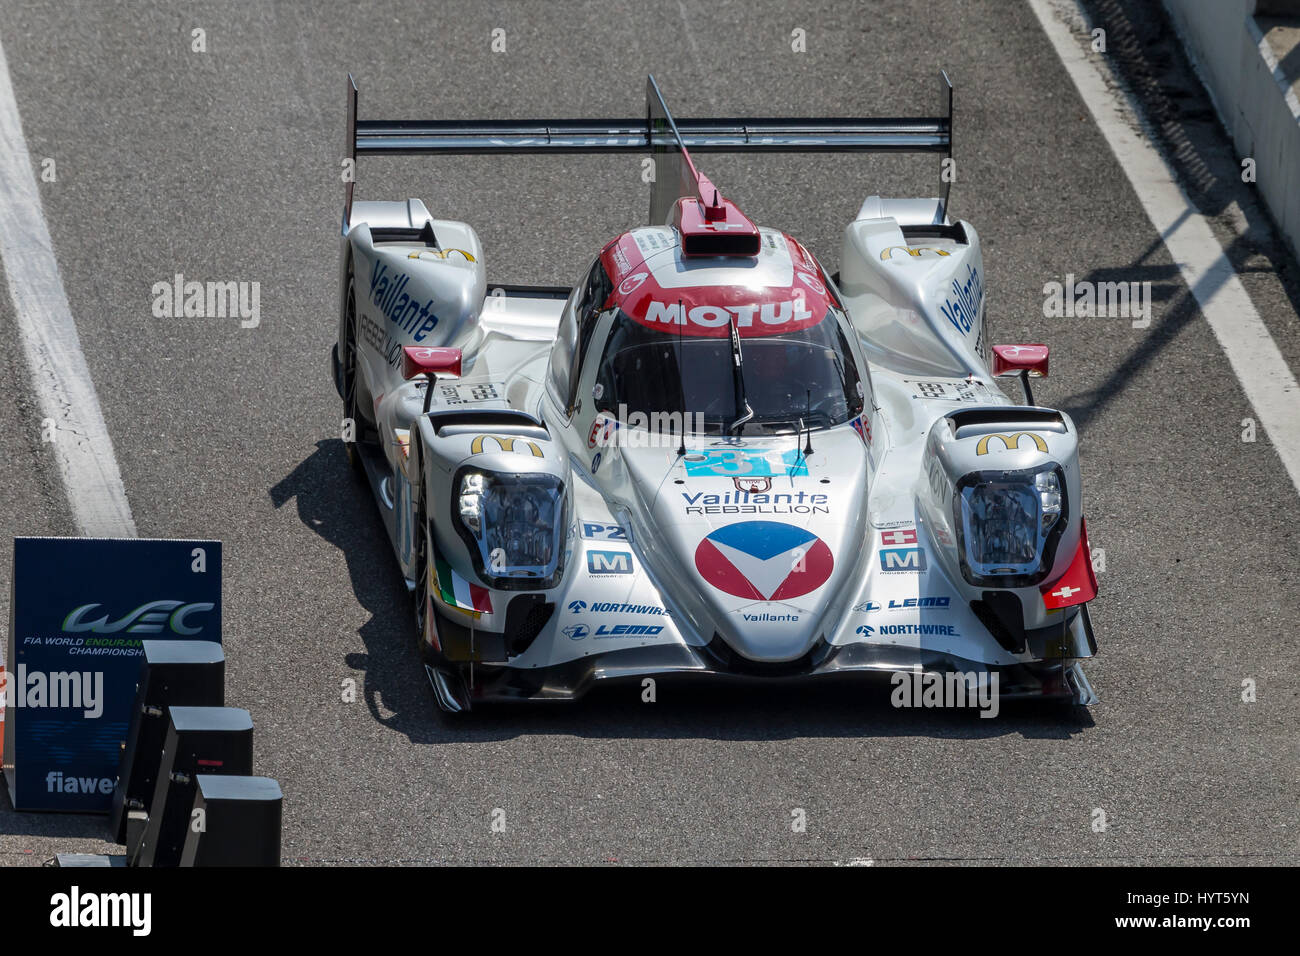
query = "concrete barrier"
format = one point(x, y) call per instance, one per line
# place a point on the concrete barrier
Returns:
point(1247, 53)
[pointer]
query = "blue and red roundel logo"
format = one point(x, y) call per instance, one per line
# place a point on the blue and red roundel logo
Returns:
point(764, 560)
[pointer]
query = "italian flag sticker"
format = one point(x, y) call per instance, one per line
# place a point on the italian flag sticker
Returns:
point(459, 593)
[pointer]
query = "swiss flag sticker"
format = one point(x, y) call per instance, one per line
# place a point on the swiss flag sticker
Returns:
point(899, 536)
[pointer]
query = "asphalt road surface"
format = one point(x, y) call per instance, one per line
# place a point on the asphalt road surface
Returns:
point(225, 165)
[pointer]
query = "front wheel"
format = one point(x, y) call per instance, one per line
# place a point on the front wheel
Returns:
point(445, 678)
point(423, 574)
point(352, 422)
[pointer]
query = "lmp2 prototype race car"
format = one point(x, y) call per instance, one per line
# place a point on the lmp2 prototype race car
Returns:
point(709, 457)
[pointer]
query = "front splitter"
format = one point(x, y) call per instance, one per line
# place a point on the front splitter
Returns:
point(462, 687)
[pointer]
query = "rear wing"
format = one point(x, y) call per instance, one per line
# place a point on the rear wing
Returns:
point(667, 139)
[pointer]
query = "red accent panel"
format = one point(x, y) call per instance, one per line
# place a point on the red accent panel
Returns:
point(718, 570)
point(711, 225)
point(622, 257)
point(898, 537)
point(480, 598)
point(764, 310)
point(715, 230)
point(809, 575)
point(1014, 358)
point(1078, 585)
point(707, 310)
point(426, 360)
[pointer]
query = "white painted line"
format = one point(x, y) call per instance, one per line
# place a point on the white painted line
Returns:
point(1268, 382)
point(60, 377)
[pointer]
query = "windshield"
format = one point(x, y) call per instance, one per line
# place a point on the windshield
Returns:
point(806, 374)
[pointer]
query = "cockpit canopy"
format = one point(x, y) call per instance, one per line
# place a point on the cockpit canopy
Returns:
point(655, 334)
point(807, 374)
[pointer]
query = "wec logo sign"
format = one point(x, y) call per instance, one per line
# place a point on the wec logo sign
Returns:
point(82, 610)
point(146, 619)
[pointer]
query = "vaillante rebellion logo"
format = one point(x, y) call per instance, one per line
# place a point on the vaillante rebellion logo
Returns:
point(963, 304)
point(764, 560)
point(387, 292)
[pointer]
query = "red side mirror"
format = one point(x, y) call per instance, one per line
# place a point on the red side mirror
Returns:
point(1079, 583)
point(423, 360)
point(1014, 359)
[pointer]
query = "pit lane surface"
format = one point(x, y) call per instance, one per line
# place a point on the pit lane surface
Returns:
point(224, 165)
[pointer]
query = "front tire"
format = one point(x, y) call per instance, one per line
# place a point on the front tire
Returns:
point(352, 421)
point(425, 615)
point(423, 587)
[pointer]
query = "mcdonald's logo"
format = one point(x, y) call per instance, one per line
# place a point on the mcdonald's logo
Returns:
point(914, 251)
point(1010, 442)
point(441, 254)
point(505, 443)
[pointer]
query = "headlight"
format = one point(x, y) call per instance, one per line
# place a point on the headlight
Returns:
point(514, 527)
point(1008, 524)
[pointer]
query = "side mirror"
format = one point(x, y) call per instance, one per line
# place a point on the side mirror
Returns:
point(423, 360)
point(1018, 359)
point(429, 362)
point(1022, 361)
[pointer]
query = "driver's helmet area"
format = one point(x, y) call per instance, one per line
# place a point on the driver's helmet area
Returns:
point(808, 374)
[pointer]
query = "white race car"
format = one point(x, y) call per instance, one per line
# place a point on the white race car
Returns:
point(708, 458)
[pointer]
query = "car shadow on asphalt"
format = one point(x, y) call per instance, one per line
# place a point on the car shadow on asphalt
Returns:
point(1178, 311)
point(700, 710)
point(338, 508)
point(335, 503)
